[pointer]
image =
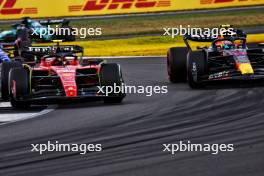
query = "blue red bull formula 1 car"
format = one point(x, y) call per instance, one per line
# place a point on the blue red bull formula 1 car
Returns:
point(228, 58)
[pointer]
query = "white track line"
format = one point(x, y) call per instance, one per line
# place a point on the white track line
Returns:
point(15, 117)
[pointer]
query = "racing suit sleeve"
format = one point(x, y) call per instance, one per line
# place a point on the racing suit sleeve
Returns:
point(4, 57)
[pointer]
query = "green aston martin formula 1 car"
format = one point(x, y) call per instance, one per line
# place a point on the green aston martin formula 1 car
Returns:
point(38, 28)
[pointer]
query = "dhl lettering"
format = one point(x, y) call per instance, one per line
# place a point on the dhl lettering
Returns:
point(7, 7)
point(219, 1)
point(222, 1)
point(119, 4)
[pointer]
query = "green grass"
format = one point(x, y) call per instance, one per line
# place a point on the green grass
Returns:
point(125, 26)
point(140, 46)
point(149, 25)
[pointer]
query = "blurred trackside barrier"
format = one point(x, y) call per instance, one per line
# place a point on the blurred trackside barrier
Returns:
point(14, 9)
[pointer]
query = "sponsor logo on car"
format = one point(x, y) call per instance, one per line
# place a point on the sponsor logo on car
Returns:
point(219, 75)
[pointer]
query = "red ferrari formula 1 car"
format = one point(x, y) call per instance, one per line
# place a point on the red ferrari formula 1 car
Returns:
point(57, 73)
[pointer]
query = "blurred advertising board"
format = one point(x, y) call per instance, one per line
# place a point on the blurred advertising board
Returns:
point(14, 9)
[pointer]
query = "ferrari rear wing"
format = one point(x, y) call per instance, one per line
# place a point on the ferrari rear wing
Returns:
point(41, 51)
point(56, 49)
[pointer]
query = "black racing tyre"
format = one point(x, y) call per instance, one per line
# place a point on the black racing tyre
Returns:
point(196, 68)
point(111, 75)
point(19, 87)
point(176, 64)
point(5, 69)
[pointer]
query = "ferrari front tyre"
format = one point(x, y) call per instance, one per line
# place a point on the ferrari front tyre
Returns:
point(19, 87)
point(111, 76)
point(196, 68)
point(176, 64)
point(5, 69)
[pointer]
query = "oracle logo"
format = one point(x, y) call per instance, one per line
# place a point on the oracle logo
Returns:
point(97, 5)
point(7, 7)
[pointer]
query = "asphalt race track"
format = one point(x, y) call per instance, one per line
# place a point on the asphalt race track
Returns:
point(132, 134)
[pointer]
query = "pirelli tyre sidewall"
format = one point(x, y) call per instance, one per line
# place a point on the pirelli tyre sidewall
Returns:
point(111, 75)
point(5, 69)
point(196, 67)
point(1, 79)
point(18, 87)
point(176, 64)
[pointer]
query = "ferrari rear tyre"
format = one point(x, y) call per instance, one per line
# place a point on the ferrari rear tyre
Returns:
point(19, 87)
point(111, 76)
point(176, 64)
point(5, 69)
